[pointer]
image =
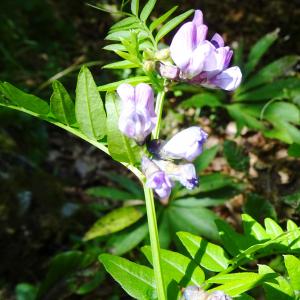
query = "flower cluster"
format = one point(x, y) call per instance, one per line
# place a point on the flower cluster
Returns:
point(199, 60)
point(161, 172)
point(137, 120)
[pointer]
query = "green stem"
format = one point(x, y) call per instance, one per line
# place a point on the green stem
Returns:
point(78, 133)
point(158, 110)
point(154, 242)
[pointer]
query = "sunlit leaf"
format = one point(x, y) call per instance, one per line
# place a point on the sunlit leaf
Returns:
point(238, 283)
point(22, 99)
point(89, 108)
point(135, 6)
point(146, 11)
point(162, 18)
point(136, 280)
point(114, 85)
point(114, 221)
point(292, 265)
point(177, 267)
point(210, 256)
point(123, 64)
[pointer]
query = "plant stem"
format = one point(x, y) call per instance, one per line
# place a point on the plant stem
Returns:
point(154, 242)
point(158, 110)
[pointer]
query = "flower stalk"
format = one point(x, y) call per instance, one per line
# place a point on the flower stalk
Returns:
point(158, 110)
point(154, 242)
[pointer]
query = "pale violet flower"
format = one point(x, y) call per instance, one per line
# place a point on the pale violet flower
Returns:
point(187, 144)
point(189, 47)
point(218, 295)
point(156, 179)
point(184, 173)
point(137, 116)
point(196, 293)
point(215, 72)
point(201, 61)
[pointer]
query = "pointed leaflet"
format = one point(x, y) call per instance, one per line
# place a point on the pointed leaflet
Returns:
point(22, 99)
point(162, 18)
point(114, 221)
point(232, 241)
point(128, 239)
point(119, 146)
point(146, 11)
point(61, 104)
point(259, 49)
point(136, 280)
point(135, 7)
point(238, 283)
point(279, 288)
point(292, 265)
point(294, 238)
point(272, 71)
point(89, 108)
point(208, 255)
point(177, 267)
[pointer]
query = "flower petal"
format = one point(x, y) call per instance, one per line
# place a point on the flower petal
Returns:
point(144, 97)
point(215, 62)
point(229, 79)
point(217, 40)
point(187, 144)
point(198, 17)
point(183, 44)
point(126, 92)
point(197, 60)
point(201, 33)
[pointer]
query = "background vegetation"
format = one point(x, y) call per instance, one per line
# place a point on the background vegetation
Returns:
point(54, 187)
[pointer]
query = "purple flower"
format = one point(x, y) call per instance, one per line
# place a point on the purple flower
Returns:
point(218, 295)
point(187, 144)
point(184, 173)
point(137, 116)
point(201, 61)
point(189, 47)
point(156, 179)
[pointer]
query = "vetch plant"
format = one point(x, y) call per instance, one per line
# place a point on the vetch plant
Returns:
point(126, 126)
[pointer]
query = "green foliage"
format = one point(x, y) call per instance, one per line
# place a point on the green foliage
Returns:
point(235, 156)
point(19, 98)
point(114, 221)
point(89, 108)
point(256, 242)
point(61, 104)
point(136, 280)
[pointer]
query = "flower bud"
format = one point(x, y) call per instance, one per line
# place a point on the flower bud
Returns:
point(163, 54)
point(149, 66)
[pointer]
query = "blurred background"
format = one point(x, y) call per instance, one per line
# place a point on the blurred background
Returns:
point(45, 173)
